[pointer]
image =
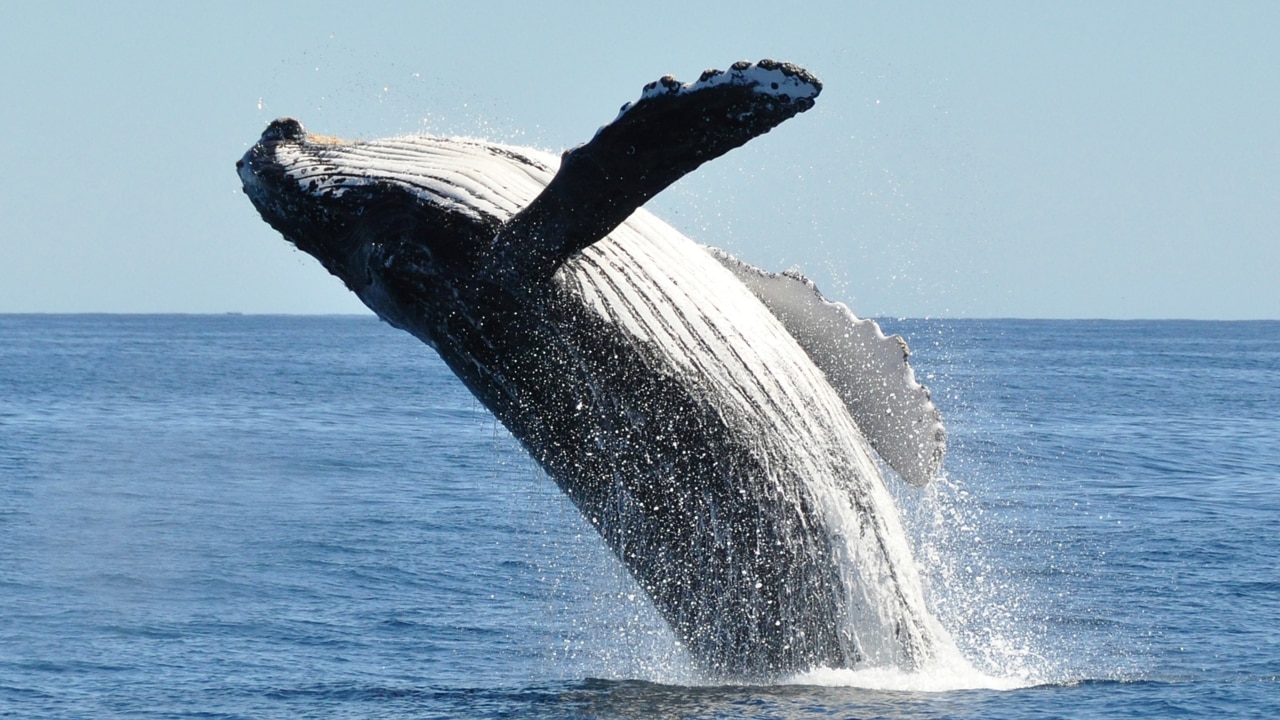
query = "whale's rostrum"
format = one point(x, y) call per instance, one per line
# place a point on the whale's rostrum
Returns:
point(713, 422)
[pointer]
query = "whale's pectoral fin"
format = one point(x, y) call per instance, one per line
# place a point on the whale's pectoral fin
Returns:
point(867, 369)
point(671, 130)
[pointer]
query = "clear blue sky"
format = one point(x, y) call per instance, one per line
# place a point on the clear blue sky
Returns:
point(965, 159)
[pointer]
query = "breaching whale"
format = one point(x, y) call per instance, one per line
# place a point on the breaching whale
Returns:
point(714, 422)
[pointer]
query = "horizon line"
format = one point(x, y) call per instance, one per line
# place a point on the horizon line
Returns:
point(962, 318)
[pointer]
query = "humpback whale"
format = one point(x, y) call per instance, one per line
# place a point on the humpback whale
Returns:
point(717, 424)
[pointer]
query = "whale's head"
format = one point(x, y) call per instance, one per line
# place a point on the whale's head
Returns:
point(391, 218)
point(279, 175)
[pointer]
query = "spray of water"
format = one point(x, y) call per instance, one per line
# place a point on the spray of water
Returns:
point(980, 638)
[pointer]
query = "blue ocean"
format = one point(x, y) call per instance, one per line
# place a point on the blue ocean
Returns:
point(310, 517)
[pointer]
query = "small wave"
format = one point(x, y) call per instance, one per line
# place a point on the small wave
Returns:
point(934, 679)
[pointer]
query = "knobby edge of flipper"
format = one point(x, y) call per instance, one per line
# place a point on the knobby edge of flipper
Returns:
point(669, 132)
point(869, 370)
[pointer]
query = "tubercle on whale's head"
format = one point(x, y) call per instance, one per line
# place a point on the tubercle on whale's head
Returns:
point(289, 129)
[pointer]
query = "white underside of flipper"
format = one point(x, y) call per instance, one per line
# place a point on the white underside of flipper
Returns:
point(868, 369)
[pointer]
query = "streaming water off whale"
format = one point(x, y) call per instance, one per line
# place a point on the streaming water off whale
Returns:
point(309, 517)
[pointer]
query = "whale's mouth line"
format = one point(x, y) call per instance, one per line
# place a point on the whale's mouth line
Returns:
point(261, 175)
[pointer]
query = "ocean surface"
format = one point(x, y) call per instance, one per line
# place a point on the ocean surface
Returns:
point(305, 517)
